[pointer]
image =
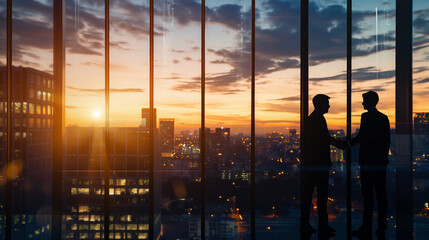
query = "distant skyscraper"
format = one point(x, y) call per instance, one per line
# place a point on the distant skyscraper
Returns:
point(421, 123)
point(293, 136)
point(336, 153)
point(222, 136)
point(421, 135)
point(166, 136)
point(146, 116)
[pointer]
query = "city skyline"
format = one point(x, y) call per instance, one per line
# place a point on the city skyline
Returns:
point(177, 58)
point(144, 171)
point(177, 161)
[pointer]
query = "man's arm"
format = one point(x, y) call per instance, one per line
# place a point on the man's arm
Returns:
point(357, 138)
point(338, 143)
point(386, 135)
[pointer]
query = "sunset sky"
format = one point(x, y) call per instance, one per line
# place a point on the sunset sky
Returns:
point(177, 59)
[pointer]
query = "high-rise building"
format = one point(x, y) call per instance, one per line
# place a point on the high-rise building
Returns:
point(84, 183)
point(32, 109)
point(293, 137)
point(145, 123)
point(421, 135)
point(166, 146)
point(222, 136)
point(218, 148)
point(421, 123)
point(83, 187)
point(166, 136)
point(336, 153)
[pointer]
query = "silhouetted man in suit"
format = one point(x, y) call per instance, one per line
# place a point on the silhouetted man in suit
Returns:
point(374, 139)
point(315, 165)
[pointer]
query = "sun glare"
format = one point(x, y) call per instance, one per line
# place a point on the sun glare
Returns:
point(96, 114)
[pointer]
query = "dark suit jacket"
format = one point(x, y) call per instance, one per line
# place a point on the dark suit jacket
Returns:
point(316, 142)
point(374, 138)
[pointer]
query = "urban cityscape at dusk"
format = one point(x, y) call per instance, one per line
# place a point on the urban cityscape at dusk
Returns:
point(172, 152)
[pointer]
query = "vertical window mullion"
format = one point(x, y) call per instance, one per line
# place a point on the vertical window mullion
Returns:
point(58, 118)
point(9, 117)
point(349, 118)
point(404, 119)
point(151, 125)
point(253, 142)
point(304, 66)
point(203, 123)
point(106, 123)
point(304, 69)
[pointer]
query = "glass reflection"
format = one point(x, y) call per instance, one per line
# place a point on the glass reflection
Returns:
point(327, 75)
point(373, 69)
point(421, 117)
point(177, 101)
point(31, 166)
point(83, 181)
point(129, 134)
point(277, 119)
point(228, 119)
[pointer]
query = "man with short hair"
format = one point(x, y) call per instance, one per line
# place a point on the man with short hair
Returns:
point(315, 166)
point(374, 139)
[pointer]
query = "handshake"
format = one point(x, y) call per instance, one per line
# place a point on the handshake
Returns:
point(341, 144)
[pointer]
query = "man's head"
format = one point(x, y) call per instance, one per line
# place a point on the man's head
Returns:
point(321, 103)
point(370, 100)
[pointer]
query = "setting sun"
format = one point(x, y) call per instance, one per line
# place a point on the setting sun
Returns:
point(96, 114)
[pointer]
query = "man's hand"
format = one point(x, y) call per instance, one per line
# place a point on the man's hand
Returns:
point(339, 143)
point(343, 145)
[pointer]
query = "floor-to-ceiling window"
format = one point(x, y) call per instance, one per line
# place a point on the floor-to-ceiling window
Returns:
point(178, 118)
point(29, 167)
point(146, 176)
point(277, 119)
point(128, 119)
point(327, 75)
point(227, 125)
point(373, 51)
point(421, 115)
point(83, 181)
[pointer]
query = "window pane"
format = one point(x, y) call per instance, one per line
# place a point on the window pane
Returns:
point(374, 69)
point(177, 101)
point(228, 119)
point(31, 166)
point(277, 119)
point(83, 176)
point(421, 118)
point(327, 71)
point(129, 100)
